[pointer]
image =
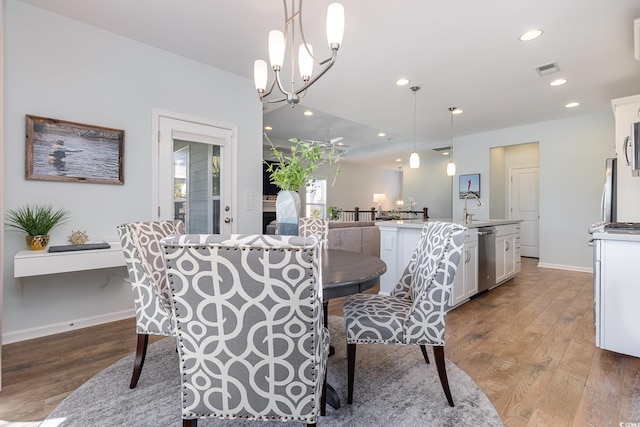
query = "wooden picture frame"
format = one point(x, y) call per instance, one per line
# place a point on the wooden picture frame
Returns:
point(58, 150)
point(469, 184)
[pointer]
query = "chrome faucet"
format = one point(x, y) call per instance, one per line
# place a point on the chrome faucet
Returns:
point(466, 216)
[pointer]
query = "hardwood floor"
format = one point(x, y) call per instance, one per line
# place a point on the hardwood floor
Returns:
point(529, 344)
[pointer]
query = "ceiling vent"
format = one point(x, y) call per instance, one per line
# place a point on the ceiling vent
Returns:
point(549, 68)
point(441, 149)
point(636, 38)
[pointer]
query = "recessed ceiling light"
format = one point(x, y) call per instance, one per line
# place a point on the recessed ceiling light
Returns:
point(268, 128)
point(530, 35)
point(558, 82)
point(457, 111)
point(308, 113)
point(572, 104)
point(402, 82)
point(445, 153)
point(398, 160)
point(381, 134)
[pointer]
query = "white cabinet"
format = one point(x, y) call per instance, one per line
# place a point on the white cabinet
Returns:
point(507, 252)
point(617, 293)
point(465, 283)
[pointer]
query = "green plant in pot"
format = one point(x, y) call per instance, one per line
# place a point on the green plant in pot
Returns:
point(291, 172)
point(37, 221)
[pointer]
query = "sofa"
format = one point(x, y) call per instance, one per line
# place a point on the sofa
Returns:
point(354, 236)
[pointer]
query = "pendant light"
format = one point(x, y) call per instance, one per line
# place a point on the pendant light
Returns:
point(451, 166)
point(414, 160)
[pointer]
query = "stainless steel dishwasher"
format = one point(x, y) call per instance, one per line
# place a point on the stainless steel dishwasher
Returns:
point(486, 258)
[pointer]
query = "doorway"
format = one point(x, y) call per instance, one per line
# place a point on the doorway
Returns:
point(194, 175)
point(523, 205)
point(514, 191)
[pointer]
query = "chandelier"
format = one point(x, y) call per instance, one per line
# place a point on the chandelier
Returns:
point(278, 42)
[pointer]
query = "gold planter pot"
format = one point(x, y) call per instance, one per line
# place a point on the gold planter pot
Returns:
point(37, 243)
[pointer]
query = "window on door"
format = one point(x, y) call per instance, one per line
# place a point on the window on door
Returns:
point(197, 186)
point(316, 198)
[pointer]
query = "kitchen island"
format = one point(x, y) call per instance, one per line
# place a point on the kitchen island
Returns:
point(398, 240)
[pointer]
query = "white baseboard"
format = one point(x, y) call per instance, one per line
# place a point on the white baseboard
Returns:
point(27, 334)
point(566, 267)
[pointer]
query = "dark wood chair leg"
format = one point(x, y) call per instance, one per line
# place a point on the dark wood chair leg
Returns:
point(141, 352)
point(351, 366)
point(424, 353)
point(323, 399)
point(190, 423)
point(438, 353)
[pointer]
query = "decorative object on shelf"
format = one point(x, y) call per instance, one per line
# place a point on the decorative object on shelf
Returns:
point(305, 60)
point(78, 238)
point(37, 221)
point(292, 172)
point(451, 166)
point(469, 184)
point(57, 150)
point(414, 160)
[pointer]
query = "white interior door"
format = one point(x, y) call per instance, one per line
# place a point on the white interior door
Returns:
point(524, 206)
point(195, 170)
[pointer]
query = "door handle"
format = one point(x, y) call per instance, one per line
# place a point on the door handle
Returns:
point(228, 220)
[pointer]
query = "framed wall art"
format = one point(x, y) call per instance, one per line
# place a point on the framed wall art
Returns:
point(58, 150)
point(469, 184)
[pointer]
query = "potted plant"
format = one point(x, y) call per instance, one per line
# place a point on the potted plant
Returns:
point(292, 172)
point(37, 221)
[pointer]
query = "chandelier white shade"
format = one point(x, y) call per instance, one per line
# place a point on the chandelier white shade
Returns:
point(414, 160)
point(278, 41)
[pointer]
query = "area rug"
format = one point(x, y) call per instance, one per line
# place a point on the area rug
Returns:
point(393, 387)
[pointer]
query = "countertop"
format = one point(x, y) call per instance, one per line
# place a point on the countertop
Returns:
point(419, 223)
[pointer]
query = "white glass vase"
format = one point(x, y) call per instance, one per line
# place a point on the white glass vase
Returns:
point(288, 212)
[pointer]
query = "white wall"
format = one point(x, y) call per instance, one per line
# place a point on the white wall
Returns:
point(572, 155)
point(59, 68)
point(430, 186)
point(356, 184)
point(1, 175)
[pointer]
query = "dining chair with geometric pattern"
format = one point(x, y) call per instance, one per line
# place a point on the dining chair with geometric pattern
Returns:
point(251, 337)
point(145, 263)
point(310, 226)
point(414, 313)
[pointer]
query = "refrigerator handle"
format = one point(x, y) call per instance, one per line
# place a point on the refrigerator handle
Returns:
point(625, 149)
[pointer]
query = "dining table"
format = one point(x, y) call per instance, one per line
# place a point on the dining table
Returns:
point(346, 273)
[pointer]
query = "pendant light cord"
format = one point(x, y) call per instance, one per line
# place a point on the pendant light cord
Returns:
point(415, 90)
point(451, 109)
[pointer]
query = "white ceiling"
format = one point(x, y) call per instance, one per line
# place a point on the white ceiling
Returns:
point(462, 53)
